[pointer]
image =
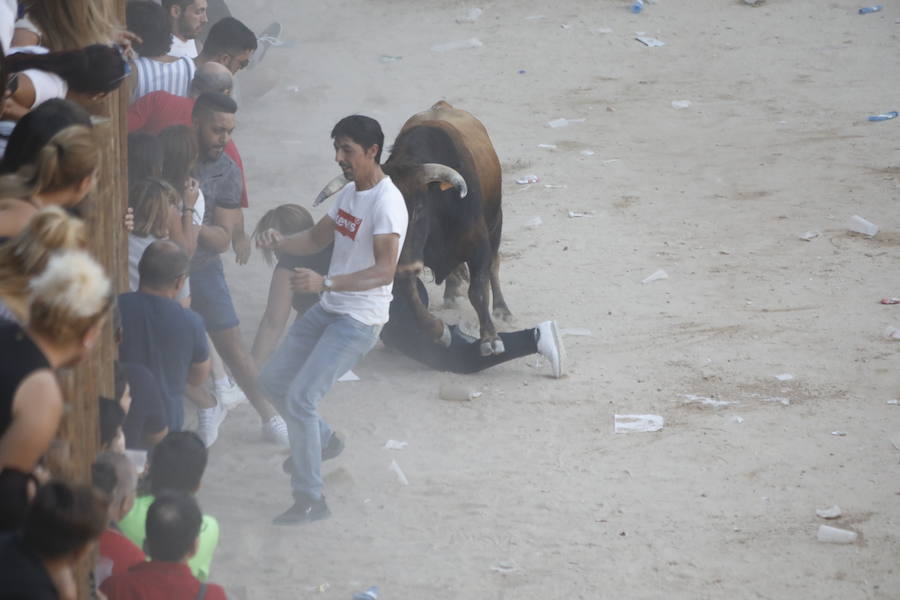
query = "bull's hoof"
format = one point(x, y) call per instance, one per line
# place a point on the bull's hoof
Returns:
point(489, 347)
point(446, 338)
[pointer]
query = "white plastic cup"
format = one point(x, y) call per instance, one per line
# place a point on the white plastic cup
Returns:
point(859, 225)
point(834, 535)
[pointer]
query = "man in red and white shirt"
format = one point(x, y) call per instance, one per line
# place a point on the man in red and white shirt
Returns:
point(367, 225)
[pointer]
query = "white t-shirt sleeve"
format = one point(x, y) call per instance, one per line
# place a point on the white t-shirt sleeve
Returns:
point(391, 215)
point(46, 86)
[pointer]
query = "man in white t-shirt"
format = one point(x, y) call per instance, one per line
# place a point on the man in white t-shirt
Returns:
point(367, 225)
point(187, 18)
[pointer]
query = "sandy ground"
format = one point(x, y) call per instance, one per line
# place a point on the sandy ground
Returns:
point(527, 492)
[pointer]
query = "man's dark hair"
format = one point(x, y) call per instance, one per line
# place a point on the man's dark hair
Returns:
point(35, 129)
point(228, 36)
point(62, 518)
point(150, 21)
point(177, 463)
point(173, 524)
point(111, 418)
point(162, 263)
point(363, 130)
point(210, 103)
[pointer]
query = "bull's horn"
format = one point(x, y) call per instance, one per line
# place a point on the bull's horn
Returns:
point(333, 187)
point(436, 172)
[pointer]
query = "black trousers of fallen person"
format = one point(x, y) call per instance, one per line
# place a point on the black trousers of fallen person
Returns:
point(402, 332)
point(463, 356)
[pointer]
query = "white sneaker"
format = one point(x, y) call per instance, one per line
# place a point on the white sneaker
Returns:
point(275, 430)
point(208, 422)
point(230, 395)
point(550, 346)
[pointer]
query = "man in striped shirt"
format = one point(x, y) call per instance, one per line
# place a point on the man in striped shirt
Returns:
point(155, 69)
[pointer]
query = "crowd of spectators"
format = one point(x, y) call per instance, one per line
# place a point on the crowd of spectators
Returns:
point(137, 519)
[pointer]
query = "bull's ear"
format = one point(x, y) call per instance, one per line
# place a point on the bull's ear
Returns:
point(446, 185)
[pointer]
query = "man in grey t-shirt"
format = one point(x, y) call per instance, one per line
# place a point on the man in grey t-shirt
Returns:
point(213, 119)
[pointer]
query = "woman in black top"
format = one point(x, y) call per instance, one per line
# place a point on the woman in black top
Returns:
point(67, 305)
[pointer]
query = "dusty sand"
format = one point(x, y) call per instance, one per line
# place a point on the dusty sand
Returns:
point(526, 492)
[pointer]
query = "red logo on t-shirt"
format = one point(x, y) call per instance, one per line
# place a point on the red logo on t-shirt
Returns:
point(347, 224)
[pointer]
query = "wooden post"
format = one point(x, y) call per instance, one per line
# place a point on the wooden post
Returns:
point(108, 243)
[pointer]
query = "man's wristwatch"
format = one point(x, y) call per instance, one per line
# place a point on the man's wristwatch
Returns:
point(327, 285)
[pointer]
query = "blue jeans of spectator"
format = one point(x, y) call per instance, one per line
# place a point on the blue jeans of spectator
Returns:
point(318, 348)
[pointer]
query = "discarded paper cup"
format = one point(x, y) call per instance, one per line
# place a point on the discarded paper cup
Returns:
point(859, 225)
point(834, 535)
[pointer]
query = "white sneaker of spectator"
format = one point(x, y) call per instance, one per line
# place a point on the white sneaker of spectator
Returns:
point(550, 346)
point(208, 422)
point(230, 394)
point(275, 430)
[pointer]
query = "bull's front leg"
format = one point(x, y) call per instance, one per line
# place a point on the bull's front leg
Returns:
point(479, 283)
point(433, 327)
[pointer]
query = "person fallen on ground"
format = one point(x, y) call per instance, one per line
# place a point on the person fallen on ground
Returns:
point(155, 69)
point(367, 226)
point(176, 465)
point(162, 335)
point(187, 19)
point(64, 173)
point(60, 530)
point(402, 331)
point(67, 307)
point(113, 475)
point(220, 180)
point(84, 76)
point(160, 110)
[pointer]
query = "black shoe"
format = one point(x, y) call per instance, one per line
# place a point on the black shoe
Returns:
point(332, 449)
point(304, 511)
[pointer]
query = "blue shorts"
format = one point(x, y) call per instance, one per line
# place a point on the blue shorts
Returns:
point(210, 297)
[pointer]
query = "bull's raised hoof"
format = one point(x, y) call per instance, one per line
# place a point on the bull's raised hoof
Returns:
point(489, 347)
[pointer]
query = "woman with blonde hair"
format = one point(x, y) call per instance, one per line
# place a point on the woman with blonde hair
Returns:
point(26, 255)
point(67, 306)
point(63, 174)
point(287, 219)
point(158, 215)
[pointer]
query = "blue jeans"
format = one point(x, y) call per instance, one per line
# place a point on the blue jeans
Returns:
point(318, 348)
